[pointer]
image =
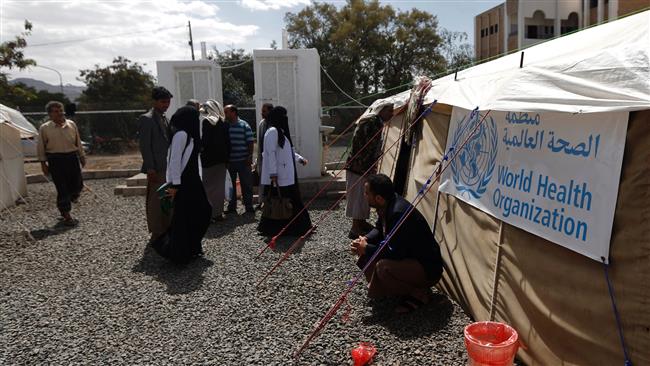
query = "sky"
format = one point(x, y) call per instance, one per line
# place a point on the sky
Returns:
point(77, 34)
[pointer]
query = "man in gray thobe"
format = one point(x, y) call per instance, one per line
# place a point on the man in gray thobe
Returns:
point(155, 137)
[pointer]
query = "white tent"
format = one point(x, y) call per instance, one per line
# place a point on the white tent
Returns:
point(13, 127)
point(557, 300)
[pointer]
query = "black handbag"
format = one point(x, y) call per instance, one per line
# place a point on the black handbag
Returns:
point(277, 207)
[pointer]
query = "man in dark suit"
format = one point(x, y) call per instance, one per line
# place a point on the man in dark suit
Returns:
point(410, 263)
point(154, 141)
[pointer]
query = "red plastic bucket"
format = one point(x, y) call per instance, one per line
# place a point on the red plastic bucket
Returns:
point(491, 344)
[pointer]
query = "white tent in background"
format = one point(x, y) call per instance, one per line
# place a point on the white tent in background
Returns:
point(13, 127)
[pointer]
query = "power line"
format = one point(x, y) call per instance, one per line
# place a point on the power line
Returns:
point(101, 37)
point(338, 87)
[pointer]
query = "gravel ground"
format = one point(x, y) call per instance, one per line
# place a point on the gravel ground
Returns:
point(94, 294)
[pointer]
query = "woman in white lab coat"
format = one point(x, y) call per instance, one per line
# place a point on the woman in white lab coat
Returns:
point(279, 175)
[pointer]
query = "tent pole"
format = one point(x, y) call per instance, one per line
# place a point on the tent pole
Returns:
point(496, 273)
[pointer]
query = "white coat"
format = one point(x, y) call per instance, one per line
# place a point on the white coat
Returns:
point(278, 160)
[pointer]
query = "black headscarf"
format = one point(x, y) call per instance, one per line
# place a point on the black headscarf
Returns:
point(278, 119)
point(187, 119)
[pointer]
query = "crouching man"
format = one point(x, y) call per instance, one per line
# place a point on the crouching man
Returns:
point(410, 264)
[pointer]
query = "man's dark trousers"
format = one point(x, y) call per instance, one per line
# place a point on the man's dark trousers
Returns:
point(66, 175)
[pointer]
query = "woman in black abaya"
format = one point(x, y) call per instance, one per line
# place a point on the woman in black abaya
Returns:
point(191, 214)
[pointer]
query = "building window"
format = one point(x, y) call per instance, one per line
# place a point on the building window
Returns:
point(482, 34)
point(496, 28)
point(593, 4)
point(531, 32)
point(491, 29)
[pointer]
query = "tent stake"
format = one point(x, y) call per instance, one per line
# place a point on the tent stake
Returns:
point(521, 62)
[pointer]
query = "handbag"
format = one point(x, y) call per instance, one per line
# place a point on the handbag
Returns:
point(277, 207)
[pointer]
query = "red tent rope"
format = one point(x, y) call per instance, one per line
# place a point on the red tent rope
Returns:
point(294, 245)
point(438, 173)
point(271, 243)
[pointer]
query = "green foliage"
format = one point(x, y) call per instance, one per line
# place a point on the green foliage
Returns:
point(122, 85)
point(458, 53)
point(29, 99)
point(12, 56)
point(367, 47)
point(237, 76)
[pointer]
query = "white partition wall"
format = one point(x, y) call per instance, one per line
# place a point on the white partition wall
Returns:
point(291, 78)
point(199, 80)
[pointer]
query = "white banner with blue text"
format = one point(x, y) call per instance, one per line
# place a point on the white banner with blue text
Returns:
point(555, 175)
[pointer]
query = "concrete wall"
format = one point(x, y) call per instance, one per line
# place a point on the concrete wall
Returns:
point(488, 32)
point(276, 73)
point(168, 77)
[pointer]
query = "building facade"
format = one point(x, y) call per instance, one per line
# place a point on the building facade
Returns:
point(518, 24)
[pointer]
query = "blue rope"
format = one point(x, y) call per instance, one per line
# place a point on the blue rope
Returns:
point(628, 362)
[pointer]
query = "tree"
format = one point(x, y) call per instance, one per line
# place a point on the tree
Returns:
point(12, 56)
point(237, 76)
point(122, 85)
point(458, 53)
point(367, 47)
point(31, 100)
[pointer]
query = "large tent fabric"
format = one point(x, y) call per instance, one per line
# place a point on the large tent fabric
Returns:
point(557, 299)
point(12, 171)
point(19, 121)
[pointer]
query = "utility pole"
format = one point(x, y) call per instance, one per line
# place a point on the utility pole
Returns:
point(191, 42)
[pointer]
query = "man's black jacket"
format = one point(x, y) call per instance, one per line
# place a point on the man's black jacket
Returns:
point(413, 239)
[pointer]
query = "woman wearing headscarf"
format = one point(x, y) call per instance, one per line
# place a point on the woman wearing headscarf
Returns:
point(215, 155)
point(191, 214)
point(279, 172)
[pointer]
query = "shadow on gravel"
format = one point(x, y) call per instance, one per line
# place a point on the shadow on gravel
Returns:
point(227, 226)
point(179, 279)
point(421, 322)
point(57, 229)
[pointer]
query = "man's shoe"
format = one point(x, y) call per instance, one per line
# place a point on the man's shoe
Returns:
point(353, 234)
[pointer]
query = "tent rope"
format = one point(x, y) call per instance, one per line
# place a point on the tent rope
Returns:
point(294, 245)
point(617, 316)
point(272, 242)
point(434, 177)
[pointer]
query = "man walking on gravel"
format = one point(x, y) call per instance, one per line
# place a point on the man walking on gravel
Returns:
point(410, 263)
point(154, 141)
point(60, 153)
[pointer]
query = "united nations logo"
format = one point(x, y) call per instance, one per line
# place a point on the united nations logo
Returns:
point(473, 167)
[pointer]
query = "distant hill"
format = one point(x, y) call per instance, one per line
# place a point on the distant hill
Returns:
point(71, 91)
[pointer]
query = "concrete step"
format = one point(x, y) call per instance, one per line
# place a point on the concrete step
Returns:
point(126, 191)
point(137, 180)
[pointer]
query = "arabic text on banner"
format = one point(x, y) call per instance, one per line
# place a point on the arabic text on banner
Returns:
point(555, 175)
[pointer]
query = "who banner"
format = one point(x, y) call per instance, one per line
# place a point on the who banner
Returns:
point(553, 174)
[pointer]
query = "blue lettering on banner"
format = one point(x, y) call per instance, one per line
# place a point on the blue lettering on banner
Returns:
point(554, 219)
